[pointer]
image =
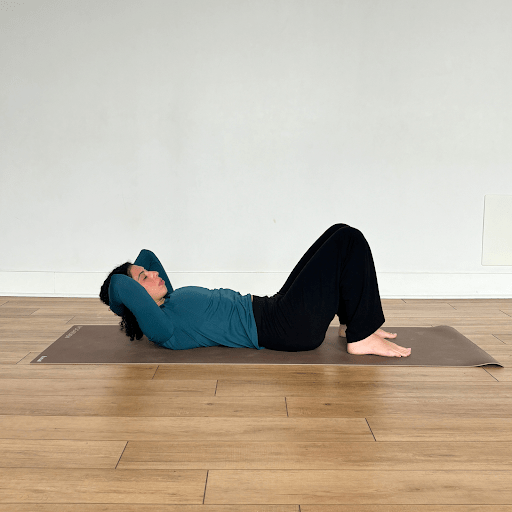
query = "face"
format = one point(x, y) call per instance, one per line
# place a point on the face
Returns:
point(153, 284)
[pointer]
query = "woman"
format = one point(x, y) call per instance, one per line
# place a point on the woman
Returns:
point(335, 276)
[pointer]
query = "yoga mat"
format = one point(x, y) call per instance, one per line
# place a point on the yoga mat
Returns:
point(96, 344)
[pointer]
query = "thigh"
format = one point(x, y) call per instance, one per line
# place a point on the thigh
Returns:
point(283, 328)
point(312, 300)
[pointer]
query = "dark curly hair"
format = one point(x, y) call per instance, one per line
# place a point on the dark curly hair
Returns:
point(128, 322)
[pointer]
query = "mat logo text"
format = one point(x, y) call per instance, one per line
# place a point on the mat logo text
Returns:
point(74, 331)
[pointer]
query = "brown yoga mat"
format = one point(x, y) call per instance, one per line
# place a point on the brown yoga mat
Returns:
point(94, 344)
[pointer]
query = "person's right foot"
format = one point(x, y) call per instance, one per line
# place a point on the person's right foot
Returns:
point(377, 344)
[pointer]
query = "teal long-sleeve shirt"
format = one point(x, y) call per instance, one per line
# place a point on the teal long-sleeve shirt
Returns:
point(190, 317)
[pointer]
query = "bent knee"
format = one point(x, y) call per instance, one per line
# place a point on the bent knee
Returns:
point(336, 227)
point(353, 236)
point(352, 232)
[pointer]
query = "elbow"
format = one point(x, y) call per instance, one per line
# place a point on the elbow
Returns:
point(166, 342)
point(163, 334)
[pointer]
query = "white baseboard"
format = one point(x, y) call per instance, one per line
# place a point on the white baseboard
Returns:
point(391, 284)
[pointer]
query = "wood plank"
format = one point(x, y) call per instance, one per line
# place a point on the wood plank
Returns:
point(477, 305)
point(484, 329)
point(501, 374)
point(478, 310)
point(405, 306)
point(62, 371)
point(426, 302)
point(27, 485)
point(30, 322)
point(459, 303)
point(91, 320)
point(39, 453)
point(332, 373)
point(498, 350)
point(399, 456)
point(407, 321)
point(143, 405)
point(362, 390)
point(333, 407)
point(53, 301)
point(400, 508)
point(127, 507)
point(63, 316)
point(505, 338)
point(12, 356)
point(15, 312)
point(29, 346)
point(441, 313)
point(48, 336)
point(185, 429)
point(440, 429)
point(48, 314)
point(106, 387)
point(484, 339)
point(74, 310)
point(392, 302)
point(32, 329)
point(502, 324)
point(480, 303)
point(365, 487)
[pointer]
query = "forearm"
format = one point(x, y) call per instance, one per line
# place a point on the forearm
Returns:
point(125, 292)
point(149, 261)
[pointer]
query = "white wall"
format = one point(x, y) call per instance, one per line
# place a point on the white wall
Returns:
point(227, 135)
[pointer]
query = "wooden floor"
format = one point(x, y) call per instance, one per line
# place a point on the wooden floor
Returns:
point(221, 438)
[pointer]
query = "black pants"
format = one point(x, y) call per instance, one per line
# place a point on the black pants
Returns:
point(335, 276)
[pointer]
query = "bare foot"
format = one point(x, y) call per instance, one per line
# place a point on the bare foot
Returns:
point(385, 334)
point(378, 345)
